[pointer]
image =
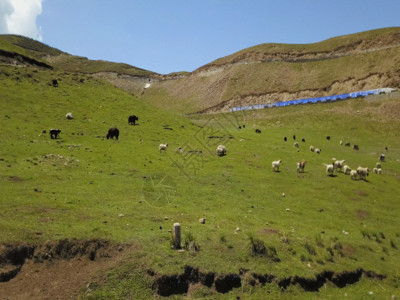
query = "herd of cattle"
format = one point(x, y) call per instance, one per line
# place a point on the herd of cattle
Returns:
point(336, 165)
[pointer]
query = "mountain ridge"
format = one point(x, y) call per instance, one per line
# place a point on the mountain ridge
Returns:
point(261, 74)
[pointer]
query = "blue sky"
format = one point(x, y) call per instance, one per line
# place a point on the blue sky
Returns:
point(183, 35)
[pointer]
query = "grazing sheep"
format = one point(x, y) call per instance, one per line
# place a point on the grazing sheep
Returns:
point(303, 140)
point(382, 157)
point(54, 82)
point(179, 150)
point(346, 169)
point(378, 165)
point(294, 136)
point(132, 119)
point(300, 166)
point(285, 138)
point(258, 131)
point(387, 149)
point(338, 164)
point(317, 150)
point(162, 147)
point(312, 149)
point(347, 144)
point(377, 170)
point(355, 147)
point(329, 169)
point(328, 138)
point(353, 174)
point(296, 145)
point(275, 165)
point(362, 172)
point(341, 142)
point(221, 150)
point(69, 116)
point(240, 127)
point(54, 133)
point(113, 132)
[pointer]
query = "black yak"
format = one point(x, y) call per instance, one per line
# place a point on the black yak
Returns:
point(132, 119)
point(113, 132)
point(54, 133)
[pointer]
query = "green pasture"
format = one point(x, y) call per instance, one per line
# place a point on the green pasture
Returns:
point(85, 186)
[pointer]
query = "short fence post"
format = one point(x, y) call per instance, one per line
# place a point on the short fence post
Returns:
point(177, 235)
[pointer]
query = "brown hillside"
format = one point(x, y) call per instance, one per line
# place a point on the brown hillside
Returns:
point(275, 72)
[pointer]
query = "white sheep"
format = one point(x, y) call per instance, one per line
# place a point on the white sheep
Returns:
point(353, 174)
point(317, 150)
point(312, 149)
point(338, 164)
point(362, 172)
point(296, 144)
point(378, 165)
point(329, 169)
point(377, 170)
point(346, 169)
point(300, 166)
point(163, 147)
point(69, 116)
point(221, 150)
point(341, 142)
point(275, 165)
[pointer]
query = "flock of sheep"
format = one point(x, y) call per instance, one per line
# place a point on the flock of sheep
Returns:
point(338, 165)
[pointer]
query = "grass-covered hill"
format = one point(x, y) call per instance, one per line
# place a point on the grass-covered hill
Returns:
point(329, 237)
point(269, 73)
point(21, 49)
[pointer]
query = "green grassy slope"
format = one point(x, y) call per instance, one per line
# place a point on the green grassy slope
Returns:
point(62, 61)
point(332, 44)
point(79, 185)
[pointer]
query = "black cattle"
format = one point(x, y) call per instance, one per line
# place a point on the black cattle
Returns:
point(55, 82)
point(240, 127)
point(355, 147)
point(113, 132)
point(258, 131)
point(54, 133)
point(285, 138)
point(132, 119)
point(294, 137)
point(303, 140)
point(328, 138)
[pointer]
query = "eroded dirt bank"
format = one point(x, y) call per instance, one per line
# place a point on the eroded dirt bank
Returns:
point(222, 283)
point(54, 270)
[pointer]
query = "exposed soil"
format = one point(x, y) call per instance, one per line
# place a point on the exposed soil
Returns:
point(362, 214)
point(54, 270)
point(13, 58)
point(223, 283)
point(337, 87)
